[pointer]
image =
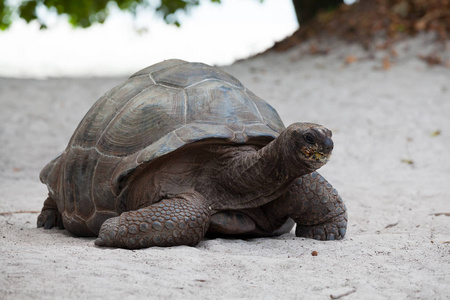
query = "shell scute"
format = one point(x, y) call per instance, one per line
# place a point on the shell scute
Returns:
point(190, 74)
point(98, 118)
point(206, 105)
point(158, 66)
point(148, 117)
point(269, 115)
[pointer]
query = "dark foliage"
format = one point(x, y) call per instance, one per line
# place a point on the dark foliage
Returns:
point(367, 20)
point(306, 10)
point(84, 13)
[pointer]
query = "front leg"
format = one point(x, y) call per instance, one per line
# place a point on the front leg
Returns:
point(181, 220)
point(315, 206)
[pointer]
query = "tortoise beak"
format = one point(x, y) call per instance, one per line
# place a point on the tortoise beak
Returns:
point(320, 157)
point(320, 152)
point(327, 146)
point(317, 154)
point(323, 152)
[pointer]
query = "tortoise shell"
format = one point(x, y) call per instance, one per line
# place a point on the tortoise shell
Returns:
point(156, 111)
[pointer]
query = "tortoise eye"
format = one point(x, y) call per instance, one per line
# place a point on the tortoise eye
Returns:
point(309, 138)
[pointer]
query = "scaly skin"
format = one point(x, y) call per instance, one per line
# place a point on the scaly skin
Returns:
point(315, 206)
point(182, 220)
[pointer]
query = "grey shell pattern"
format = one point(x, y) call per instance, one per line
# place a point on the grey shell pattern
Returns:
point(156, 111)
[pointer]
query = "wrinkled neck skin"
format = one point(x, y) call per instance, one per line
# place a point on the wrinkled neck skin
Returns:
point(263, 171)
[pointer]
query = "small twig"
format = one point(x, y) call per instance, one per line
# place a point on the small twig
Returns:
point(4, 213)
point(391, 225)
point(440, 214)
point(344, 294)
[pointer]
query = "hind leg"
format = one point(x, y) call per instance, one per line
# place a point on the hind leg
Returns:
point(49, 216)
point(181, 220)
point(315, 206)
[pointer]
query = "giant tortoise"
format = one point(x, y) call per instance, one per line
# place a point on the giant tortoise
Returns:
point(183, 150)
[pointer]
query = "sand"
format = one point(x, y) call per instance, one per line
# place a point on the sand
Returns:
point(390, 164)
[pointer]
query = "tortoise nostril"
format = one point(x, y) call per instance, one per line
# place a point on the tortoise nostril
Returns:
point(328, 145)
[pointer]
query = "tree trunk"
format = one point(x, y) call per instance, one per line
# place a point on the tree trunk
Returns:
point(307, 10)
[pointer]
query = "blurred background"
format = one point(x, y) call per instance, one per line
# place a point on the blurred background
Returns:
point(61, 38)
point(214, 33)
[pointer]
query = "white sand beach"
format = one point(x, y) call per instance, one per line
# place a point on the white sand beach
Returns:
point(391, 128)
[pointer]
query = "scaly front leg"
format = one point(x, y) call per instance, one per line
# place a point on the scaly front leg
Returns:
point(315, 206)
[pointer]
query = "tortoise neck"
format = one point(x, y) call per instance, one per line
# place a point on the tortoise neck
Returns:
point(266, 170)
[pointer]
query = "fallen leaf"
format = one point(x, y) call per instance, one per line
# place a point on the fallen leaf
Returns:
point(386, 63)
point(436, 133)
point(351, 59)
point(407, 161)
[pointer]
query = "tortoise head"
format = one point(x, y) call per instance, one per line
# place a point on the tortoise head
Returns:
point(307, 145)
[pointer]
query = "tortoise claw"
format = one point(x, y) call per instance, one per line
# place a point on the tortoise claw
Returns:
point(108, 232)
point(334, 229)
point(49, 219)
point(49, 223)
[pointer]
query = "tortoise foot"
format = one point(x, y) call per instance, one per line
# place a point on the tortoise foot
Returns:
point(182, 220)
point(315, 206)
point(108, 232)
point(49, 216)
point(335, 229)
